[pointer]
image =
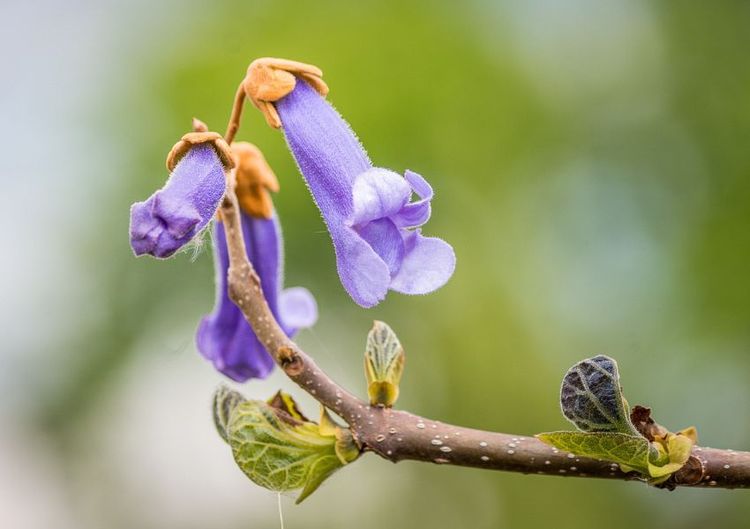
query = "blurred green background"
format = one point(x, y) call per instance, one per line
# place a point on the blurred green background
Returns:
point(592, 168)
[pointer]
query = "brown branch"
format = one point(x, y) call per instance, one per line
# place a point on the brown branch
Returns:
point(399, 435)
point(244, 290)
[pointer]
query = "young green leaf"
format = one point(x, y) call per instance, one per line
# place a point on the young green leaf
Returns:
point(673, 452)
point(384, 364)
point(346, 448)
point(628, 450)
point(284, 452)
point(225, 401)
point(591, 397)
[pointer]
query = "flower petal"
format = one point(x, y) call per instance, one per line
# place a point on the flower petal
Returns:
point(327, 152)
point(363, 273)
point(144, 228)
point(178, 216)
point(297, 309)
point(385, 238)
point(224, 337)
point(420, 186)
point(378, 193)
point(427, 265)
point(264, 247)
point(415, 213)
point(233, 350)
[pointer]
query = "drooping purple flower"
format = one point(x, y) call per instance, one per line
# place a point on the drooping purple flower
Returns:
point(175, 214)
point(224, 337)
point(373, 225)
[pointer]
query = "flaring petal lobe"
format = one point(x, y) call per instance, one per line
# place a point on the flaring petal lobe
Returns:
point(364, 275)
point(428, 264)
point(297, 309)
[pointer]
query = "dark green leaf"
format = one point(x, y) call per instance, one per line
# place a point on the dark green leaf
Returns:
point(591, 397)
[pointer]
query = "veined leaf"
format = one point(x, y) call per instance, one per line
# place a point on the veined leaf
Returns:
point(225, 401)
point(280, 450)
point(591, 397)
point(629, 450)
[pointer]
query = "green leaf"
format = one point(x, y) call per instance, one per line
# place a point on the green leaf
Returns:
point(384, 364)
point(628, 450)
point(284, 452)
point(591, 397)
point(346, 448)
point(655, 460)
point(280, 454)
point(225, 401)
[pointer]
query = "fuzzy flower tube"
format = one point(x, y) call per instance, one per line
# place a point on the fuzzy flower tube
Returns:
point(224, 337)
point(374, 224)
point(174, 215)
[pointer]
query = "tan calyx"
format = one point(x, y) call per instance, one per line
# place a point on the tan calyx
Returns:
point(270, 79)
point(194, 138)
point(254, 180)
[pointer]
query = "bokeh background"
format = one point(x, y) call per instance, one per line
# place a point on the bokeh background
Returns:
point(592, 166)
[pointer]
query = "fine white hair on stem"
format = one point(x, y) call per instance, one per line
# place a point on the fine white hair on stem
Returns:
point(198, 243)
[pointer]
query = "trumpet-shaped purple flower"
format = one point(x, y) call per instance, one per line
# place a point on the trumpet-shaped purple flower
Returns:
point(368, 210)
point(224, 337)
point(175, 214)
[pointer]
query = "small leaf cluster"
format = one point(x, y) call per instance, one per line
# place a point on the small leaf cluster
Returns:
point(591, 398)
point(278, 448)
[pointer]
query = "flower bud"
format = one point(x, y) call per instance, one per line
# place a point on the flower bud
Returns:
point(384, 364)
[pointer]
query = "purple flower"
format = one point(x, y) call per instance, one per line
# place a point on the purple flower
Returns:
point(175, 214)
point(373, 224)
point(224, 337)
